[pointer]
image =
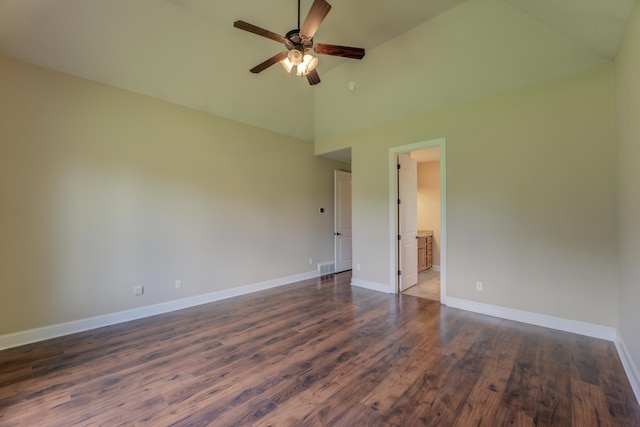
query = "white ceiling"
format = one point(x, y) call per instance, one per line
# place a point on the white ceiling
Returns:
point(188, 53)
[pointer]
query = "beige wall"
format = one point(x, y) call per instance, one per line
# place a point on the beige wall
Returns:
point(628, 133)
point(102, 189)
point(429, 203)
point(531, 205)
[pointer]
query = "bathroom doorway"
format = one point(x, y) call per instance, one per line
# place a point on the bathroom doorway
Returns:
point(431, 216)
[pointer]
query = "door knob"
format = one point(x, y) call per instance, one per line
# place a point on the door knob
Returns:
point(337, 234)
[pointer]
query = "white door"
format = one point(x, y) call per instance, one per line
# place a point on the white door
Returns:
point(342, 220)
point(407, 221)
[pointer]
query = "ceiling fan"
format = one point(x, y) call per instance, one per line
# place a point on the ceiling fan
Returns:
point(299, 43)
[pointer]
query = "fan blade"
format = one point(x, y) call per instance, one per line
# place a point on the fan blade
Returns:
point(313, 78)
point(343, 51)
point(259, 31)
point(269, 62)
point(316, 15)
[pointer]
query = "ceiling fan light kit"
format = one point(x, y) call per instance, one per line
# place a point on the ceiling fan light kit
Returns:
point(303, 66)
point(299, 43)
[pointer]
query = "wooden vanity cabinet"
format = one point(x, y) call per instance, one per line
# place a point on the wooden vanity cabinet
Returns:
point(422, 253)
point(425, 252)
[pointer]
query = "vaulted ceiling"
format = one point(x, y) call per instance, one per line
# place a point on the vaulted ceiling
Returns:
point(188, 53)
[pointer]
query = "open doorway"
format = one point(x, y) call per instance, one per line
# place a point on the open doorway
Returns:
point(428, 223)
point(430, 205)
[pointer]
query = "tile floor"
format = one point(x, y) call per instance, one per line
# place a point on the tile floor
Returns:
point(428, 286)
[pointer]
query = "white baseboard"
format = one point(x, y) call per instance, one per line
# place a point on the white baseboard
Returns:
point(47, 332)
point(374, 286)
point(435, 267)
point(629, 367)
point(561, 324)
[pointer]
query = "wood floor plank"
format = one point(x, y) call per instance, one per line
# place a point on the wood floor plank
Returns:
point(318, 352)
point(485, 399)
point(399, 378)
point(299, 408)
point(357, 415)
point(438, 395)
point(348, 382)
point(589, 407)
point(613, 381)
point(301, 366)
point(539, 384)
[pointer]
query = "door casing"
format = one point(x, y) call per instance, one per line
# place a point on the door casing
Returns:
point(393, 213)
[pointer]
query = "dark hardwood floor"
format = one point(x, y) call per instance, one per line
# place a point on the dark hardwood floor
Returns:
point(317, 353)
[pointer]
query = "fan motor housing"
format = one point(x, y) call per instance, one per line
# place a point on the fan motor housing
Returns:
point(295, 40)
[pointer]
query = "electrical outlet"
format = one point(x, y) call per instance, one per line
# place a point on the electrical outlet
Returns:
point(478, 286)
point(310, 261)
point(138, 290)
point(178, 284)
point(358, 267)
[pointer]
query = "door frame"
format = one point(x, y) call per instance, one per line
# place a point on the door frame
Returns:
point(393, 212)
